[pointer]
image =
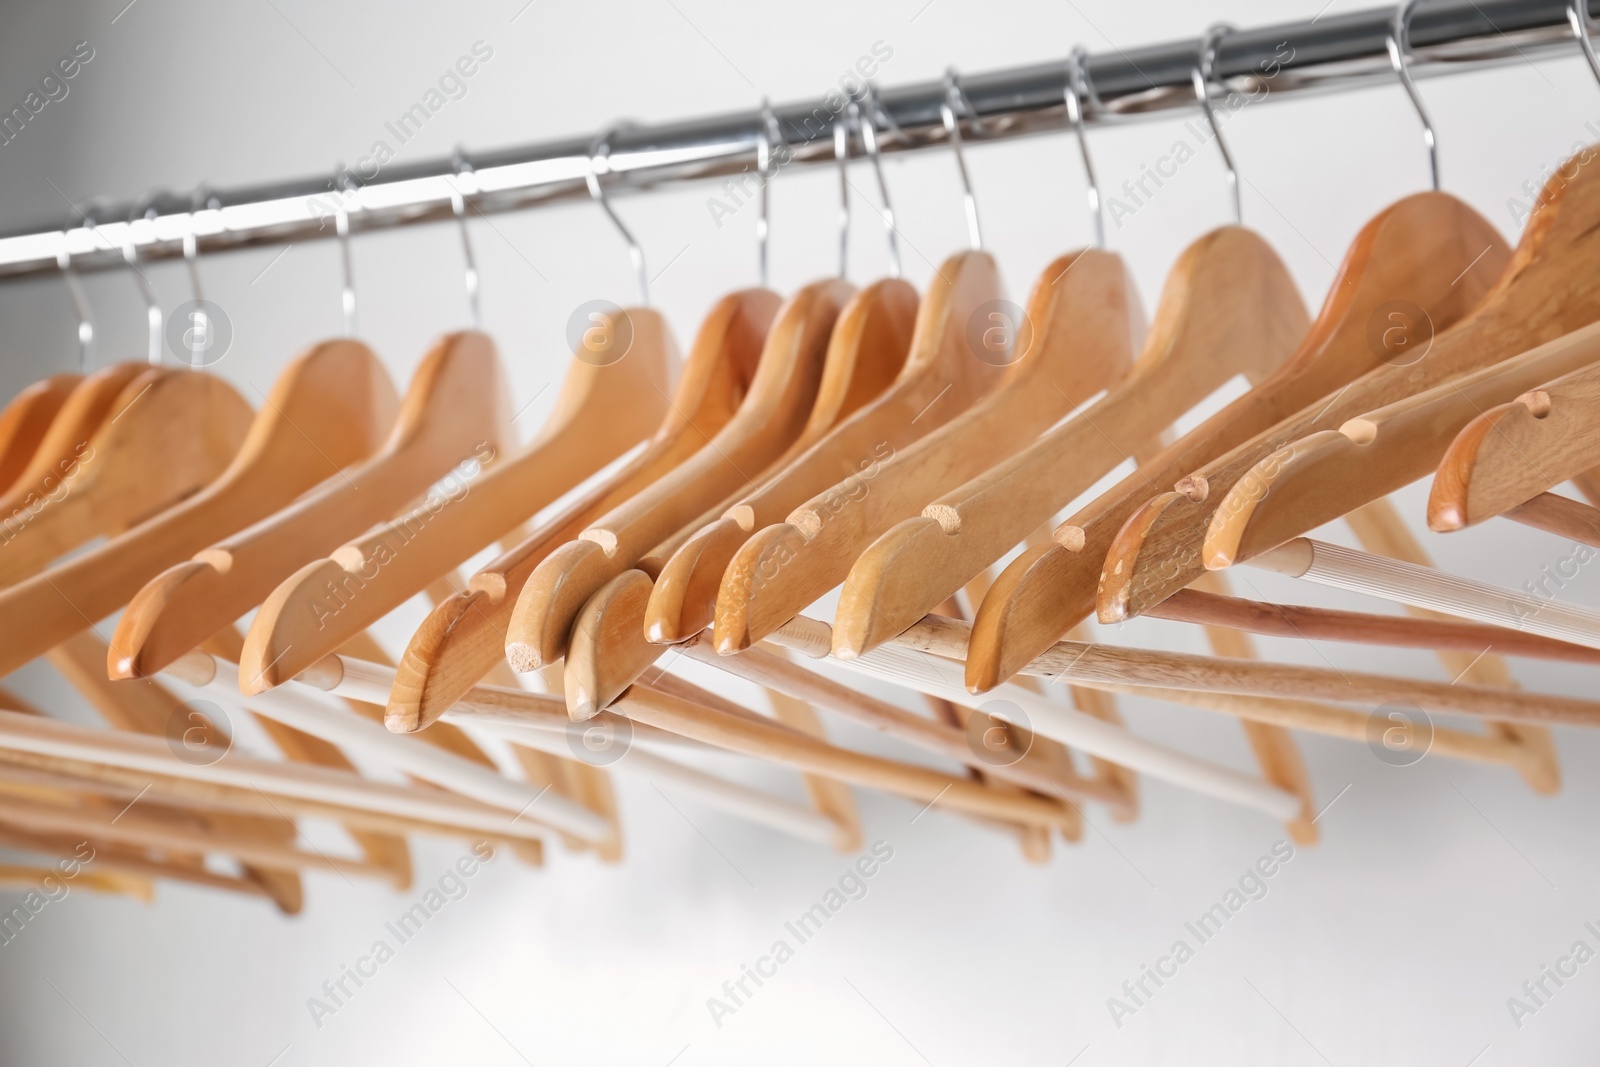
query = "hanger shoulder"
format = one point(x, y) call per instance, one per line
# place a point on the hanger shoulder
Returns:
point(174, 431)
point(1429, 250)
point(771, 415)
point(1514, 451)
point(1544, 292)
point(1082, 330)
point(328, 407)
point(26, 420)
point(1330, 472)
point(311, 612)
point(937, 370)
point(1229, 307)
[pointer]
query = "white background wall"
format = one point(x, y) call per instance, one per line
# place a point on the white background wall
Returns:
point(1436, 891)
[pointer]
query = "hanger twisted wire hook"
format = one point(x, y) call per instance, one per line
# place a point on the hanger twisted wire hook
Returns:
point(600, 154)
point(343, 186)
point(766, 134)
point(1399, 45)
point(144, 210)
point(954, 97)
point(80, 300)
point(869, 141)
point(1582, 26)
point(1078, 86)
point(1202, 75)
point(458, 205)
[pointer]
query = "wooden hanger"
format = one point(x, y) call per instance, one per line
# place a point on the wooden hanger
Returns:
point(26, 420)
point(1229, 306)
point(1413, 251)
point(1085, 325)
point(770, 417)
point(171, 433)
point(66, 440)
point(464, 636)
point(1547, 290)
point(328, 409)
point(601, 411)
point(939, 369)
point(1512, 452)
point(608, 649)
point(1330, 472)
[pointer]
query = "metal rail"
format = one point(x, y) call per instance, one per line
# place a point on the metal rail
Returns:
point(1332, 52)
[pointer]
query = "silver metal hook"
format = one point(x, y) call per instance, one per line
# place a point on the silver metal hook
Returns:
point(152, 304)
point(458, 205)
point(1201, 75)
point(80, 299)
point(768, 170)
point(869, 141)
point(1399, 45)
point(841, 153)
point(1582, 25)
point(191, 261)
point(343, 185)
point(600, 151)
point(953, 98)
point(1078, 73)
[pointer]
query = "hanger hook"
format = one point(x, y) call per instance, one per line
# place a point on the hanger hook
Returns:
point(1578, 18)
point(458, 205)
point(954, 97)
point(869, 141)
point(600, 154)
point(767, 133)
point(144, 210)
point(1079, 86)
point(343, 186)
point(841, 153)
point(1399, 45)
point(202, 199)
point(80, 299)
point(1202, 74)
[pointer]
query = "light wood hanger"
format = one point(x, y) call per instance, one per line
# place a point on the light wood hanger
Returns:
point(26, 420)
point(608, 649)
point(246, 785)
point(1192, 605)
point(1512, 452)
point(770, 417)
point(602, 410)
point(1327, 473)
point(939, 369)
point(148, 708)
point(172, 432)
point(1561, 516)
point(1229, 306)
point(1546, 291)
point(1414, 251)
point(1086, 323)
point(464, 636)
point(328, 409)
point(66, 439)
